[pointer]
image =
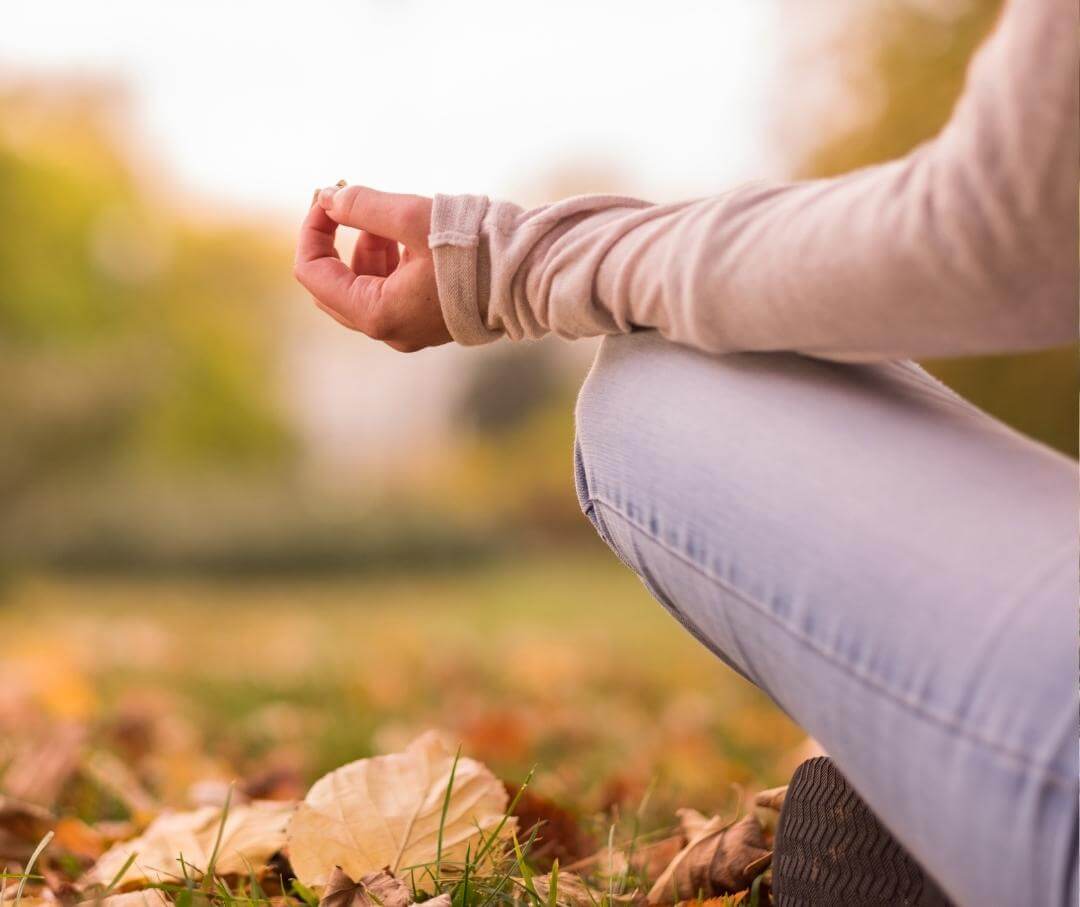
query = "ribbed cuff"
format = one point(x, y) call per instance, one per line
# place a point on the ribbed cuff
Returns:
point(455, 242)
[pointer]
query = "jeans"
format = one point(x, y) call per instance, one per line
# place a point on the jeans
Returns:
point(897, 570)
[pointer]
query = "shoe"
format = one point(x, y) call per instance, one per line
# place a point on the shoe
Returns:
point(831, 851)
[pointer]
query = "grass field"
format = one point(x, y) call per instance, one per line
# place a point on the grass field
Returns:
point(566, 665)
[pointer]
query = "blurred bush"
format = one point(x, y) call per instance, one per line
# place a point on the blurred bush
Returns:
point(901, 65)
point(140, 348)
point(134, 344)
point(129, 337)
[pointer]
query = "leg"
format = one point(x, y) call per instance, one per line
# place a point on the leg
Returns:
point(896, 569)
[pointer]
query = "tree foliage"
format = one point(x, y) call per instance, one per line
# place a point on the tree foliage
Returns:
point(902, 65)
point(129, 336)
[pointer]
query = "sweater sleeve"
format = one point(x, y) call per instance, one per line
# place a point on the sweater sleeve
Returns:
point(967, 245)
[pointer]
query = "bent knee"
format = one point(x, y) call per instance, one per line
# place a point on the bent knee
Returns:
point(619, 446)
point(645, 402)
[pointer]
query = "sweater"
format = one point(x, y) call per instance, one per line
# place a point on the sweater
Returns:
point(966, 245)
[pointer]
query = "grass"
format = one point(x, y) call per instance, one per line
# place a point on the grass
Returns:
point(506, 881)
point(568, 665)
point(563, 664)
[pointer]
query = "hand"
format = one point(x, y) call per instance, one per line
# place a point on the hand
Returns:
point(389, 295)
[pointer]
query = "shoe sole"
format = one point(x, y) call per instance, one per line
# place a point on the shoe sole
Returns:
point(831, 850)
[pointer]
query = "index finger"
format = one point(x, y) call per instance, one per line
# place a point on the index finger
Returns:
point(401, 217)
point(321, 271)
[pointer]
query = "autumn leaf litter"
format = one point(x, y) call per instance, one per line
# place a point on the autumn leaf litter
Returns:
point(423, 825)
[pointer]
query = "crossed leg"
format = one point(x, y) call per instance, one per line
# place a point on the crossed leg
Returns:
point(897, 570)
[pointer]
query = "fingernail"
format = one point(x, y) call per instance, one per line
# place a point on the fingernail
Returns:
point(327, 194)
point(315, 197)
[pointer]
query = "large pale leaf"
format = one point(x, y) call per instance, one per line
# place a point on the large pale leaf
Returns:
point(252, 833)
point(384, 812)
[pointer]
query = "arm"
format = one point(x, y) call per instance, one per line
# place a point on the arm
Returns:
point(967, 245)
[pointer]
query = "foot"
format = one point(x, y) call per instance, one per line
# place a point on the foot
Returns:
point(831, 850)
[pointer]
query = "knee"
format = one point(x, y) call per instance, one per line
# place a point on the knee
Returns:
point(661, 427)
point(605, 409)
point(625, 426)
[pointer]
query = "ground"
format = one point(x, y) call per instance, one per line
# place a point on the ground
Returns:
point(565, 665)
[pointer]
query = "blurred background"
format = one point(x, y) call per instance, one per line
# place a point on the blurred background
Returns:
point(236, 539)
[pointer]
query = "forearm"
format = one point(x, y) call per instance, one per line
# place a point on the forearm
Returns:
point(968, 245)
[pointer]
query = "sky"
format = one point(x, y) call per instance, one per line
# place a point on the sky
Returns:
point(256, 103)
point(246, 107)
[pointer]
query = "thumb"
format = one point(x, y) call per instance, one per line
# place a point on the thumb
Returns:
point(405, 218)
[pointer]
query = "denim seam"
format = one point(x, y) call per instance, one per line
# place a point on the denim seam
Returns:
point(874, 683)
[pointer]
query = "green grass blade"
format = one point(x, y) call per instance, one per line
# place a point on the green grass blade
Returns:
point(305, 894)
point(506, 815)
point(463, 886)
point(755, 891)
point(119, 875)
point(212, 862)
point(442, 817)
point(526, 872)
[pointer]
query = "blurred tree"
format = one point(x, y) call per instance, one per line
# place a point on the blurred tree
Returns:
point(901, 65)
point(130, 341)
point(505, 387)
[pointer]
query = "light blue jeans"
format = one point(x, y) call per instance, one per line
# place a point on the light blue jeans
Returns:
point(897, 570)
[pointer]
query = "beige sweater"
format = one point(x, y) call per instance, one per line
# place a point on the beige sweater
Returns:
point(967, 245)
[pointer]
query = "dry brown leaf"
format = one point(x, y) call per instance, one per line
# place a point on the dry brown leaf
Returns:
point(118, 779)
point(376, 889)
point(691, 822)
point(646, 860)
point(720, 859)
point(252, 833)
point(42, 767)
point(385, 812)
point(23, 820)
point(22, 825)
point(767, 806)
point(559, 836)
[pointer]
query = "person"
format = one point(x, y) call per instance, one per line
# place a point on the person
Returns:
point(895, 568)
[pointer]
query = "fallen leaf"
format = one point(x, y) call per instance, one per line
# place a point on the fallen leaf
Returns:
point(559, 836)
point(691, 822)
point(767, 806)
point(645, 860)
point(118, 779)
point(149, 897)
point(252, 833)
point(214, 792)
point(42, 767)
point(23, 820)
point(75, 836)
point(22, 825)
point(277, 783)
point(115, 831)
point(720, 859)
point(376, 889)
point(386, 811)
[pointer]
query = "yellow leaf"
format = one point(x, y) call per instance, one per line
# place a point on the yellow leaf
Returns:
point(253, 832)
point(386, 811)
